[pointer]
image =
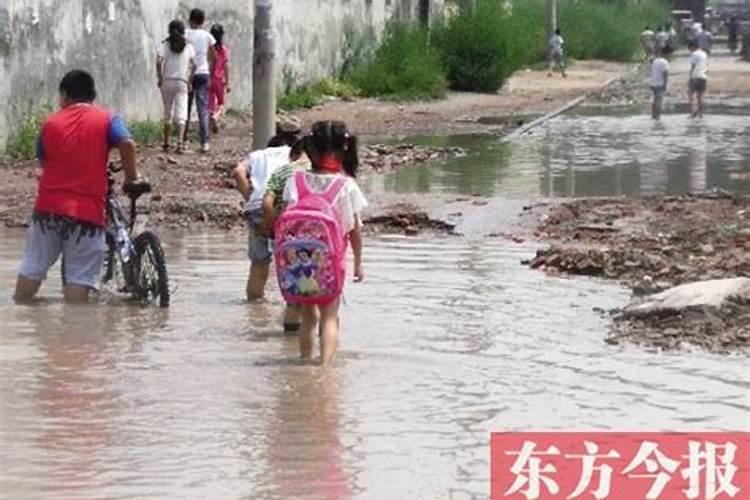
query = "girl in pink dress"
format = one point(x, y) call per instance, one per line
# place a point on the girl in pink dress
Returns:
point(219, 78)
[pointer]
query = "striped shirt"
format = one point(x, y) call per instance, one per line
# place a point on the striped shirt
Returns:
point(278, 180)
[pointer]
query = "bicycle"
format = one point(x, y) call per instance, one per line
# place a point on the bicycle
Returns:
point(138, 262)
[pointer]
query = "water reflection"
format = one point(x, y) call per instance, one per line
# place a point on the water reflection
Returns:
point(594, 156)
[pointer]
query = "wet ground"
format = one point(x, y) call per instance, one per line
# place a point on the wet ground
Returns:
point(448, 340)
point(593, 152)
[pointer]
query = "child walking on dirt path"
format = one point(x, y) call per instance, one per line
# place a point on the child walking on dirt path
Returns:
point(69, 212)
point(323, 215)
point(658, 83)
point(219, 78)
point(557, 53)
point(252, 175)
point(698, 82)
point(205, 57)
point(175, 65)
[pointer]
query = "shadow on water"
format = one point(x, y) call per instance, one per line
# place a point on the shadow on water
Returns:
point(597, 152)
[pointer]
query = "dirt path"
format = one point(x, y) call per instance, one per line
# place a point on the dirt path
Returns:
point(193, 190)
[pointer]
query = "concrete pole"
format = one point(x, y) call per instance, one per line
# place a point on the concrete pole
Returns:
point(551, 19)
point(264, 81)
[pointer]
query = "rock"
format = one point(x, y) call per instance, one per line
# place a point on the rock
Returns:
point(712, 294)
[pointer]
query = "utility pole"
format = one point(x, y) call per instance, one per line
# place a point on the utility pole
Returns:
point(551, 19)
point(264, 81)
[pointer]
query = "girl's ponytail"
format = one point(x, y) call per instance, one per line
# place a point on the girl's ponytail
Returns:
point(217, 31)
point(176, 38)
point(351, 156)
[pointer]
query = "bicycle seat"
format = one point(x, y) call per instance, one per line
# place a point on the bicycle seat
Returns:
point(136, 189)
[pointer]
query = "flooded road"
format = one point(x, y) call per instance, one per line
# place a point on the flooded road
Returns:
point(596, 152)
point(448, 340)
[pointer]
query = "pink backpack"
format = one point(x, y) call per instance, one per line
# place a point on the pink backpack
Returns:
point(310, 245)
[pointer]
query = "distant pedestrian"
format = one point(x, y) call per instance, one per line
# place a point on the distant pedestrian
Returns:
point(175, 65)
point(219, 78)
point(698, 82)
point(658, 83)
point(648, 42)
point(733, 28)
point(557, 53)
point(661, 40)
point(205, 57)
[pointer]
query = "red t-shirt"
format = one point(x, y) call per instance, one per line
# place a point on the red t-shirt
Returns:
point(73, 149)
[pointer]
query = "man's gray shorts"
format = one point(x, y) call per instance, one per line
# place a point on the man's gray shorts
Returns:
point(82, 246)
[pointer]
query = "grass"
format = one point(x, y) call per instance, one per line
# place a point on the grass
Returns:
point(311, 95)
point(146, 132)
point(21, 144)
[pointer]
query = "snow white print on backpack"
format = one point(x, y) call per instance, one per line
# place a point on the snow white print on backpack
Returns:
point(311, 245)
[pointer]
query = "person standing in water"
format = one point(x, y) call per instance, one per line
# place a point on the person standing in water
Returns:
point(205, 57)
point(557, 53)
point(175, 65)
point(69, 213)
point(219, 78)
point(698, 82)
point(332, 151)
point(733, 28)
point(658, 83)
point(252, 175)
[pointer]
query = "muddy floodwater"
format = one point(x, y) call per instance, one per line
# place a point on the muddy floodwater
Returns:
point(596, 152)
point(448, 340)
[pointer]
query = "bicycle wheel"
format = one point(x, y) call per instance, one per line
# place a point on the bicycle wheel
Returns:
point(150, 270)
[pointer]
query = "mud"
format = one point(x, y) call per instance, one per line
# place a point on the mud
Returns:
point(406, 219)
point(192, 191)
point(652, 244)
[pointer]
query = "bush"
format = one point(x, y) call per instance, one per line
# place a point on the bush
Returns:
point(21, 144)
point(607, 29)
point(404, 66)
point(475, 47)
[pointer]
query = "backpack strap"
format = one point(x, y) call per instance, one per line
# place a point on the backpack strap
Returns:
point(334, 189)
point(303, 191)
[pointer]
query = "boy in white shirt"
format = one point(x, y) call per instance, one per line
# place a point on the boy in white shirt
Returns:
point(205, 56)
point(698, 78)
point(658, 80)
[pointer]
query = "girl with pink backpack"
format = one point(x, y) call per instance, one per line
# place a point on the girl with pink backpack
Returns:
point(322, 217)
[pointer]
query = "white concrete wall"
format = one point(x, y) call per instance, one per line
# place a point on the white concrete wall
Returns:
point(116, 41)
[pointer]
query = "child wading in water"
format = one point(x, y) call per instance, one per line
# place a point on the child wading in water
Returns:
point(310, 257)
point(219, 78)
point(175, 65)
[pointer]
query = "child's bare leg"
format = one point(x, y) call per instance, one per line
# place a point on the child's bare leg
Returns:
point(307, 331)
point(292, 318)
point(180, 137)
point(256, 281)
point(699, 99)
point(165, 134)
point(329, 331)
point(26, 289)
point(691, 97)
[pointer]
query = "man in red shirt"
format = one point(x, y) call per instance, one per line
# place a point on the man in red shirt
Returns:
point(69, 213)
